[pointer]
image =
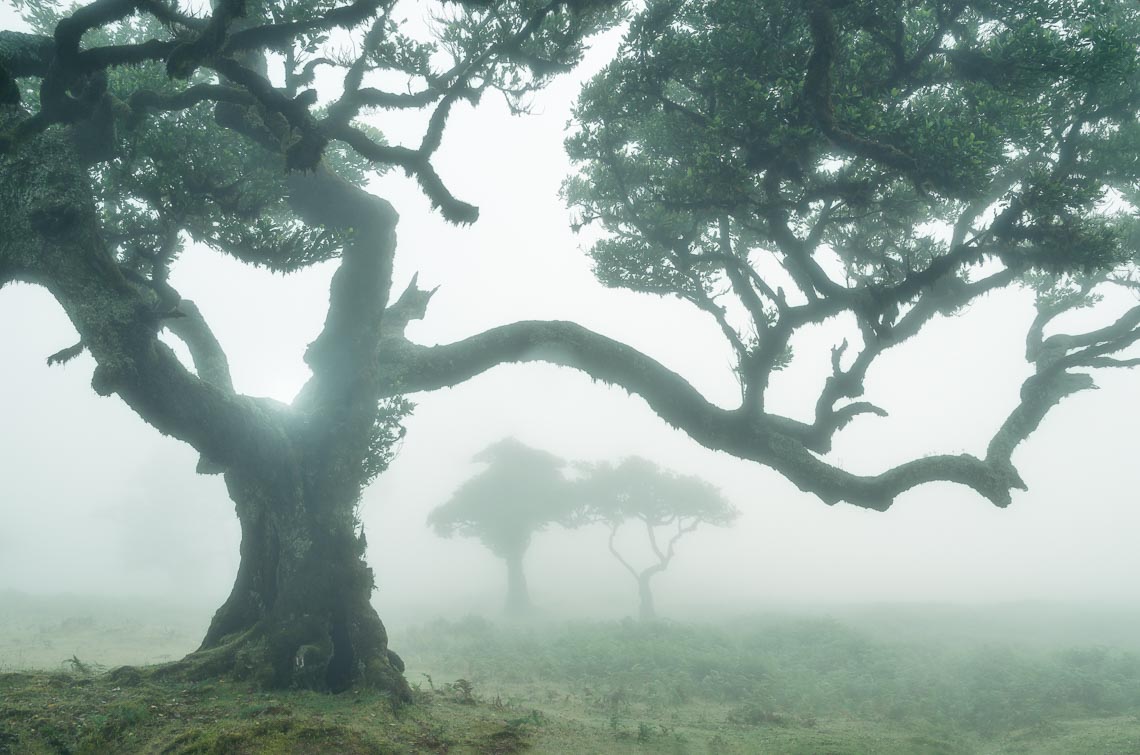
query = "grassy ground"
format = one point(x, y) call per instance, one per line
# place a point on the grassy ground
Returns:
point(765, 685)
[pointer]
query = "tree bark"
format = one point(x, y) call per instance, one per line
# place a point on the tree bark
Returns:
point(518, 596)
point(299, 614)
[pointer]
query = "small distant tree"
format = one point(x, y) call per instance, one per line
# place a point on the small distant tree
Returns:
point(521, 492)
point(664, 502)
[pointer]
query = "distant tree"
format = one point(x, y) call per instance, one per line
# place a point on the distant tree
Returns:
point(667, 504)
point(520, 493)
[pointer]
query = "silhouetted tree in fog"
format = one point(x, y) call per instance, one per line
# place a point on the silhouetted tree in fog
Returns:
point(520, 493)
point(668, 505)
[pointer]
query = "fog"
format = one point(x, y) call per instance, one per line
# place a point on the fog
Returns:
point(95, 502)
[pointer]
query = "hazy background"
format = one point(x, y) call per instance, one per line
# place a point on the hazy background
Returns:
point(95, 502)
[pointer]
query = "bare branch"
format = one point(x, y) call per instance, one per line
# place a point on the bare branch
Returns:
point(1116, 333)
point(798, 260)
point(734, 268)
point(613, 549)
point(143, 99)
point(415, 164)
point(1109, 362)
point(209, 359)
point(682, 530)
point(653, 543)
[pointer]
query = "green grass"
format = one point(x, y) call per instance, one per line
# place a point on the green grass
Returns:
point(764, 685)
point(128, 713)
point(790, 685)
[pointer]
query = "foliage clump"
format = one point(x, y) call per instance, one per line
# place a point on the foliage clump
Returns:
point(521, 492)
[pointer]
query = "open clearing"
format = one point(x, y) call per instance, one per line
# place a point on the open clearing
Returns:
point(873, 680)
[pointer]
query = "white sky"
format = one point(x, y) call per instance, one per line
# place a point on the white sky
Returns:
point(94, 500)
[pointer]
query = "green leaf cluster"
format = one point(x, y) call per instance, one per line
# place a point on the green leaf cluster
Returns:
point(930, 111)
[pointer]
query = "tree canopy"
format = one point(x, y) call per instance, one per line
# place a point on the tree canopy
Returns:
point(636, 488)
point(522, 491)
point(872, 165)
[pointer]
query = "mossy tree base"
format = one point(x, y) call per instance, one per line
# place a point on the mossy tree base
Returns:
point(277, 657)
point(299, 614)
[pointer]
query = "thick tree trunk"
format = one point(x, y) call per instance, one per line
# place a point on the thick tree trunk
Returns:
point(518, 597)
point(646, 610)
point(299, 614)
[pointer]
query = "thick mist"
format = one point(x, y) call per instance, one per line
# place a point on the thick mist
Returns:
point(94, 502)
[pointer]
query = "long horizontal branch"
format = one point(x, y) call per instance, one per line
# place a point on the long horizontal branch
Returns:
point(753, 436)
point(411, 367)
point(1108, 334)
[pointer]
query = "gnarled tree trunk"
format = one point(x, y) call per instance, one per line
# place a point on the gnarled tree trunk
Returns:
point(299, 613)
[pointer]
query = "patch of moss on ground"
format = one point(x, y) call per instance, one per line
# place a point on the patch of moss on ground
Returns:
point(71, 713)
